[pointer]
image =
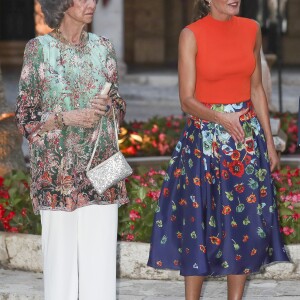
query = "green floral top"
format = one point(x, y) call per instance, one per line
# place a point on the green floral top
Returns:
point(59, 77)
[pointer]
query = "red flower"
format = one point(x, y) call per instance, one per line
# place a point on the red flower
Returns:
point(11, 215)
point(226, 210)
point(215, 240)
point(263, 192)
point(155, 128)
point(133, 215)
point(177, 173)
point(251, 198)
point(166, 192)
point(130, 237)
point(249, 144)
point(195, 204)
point(159, 263)
point(225, 174)
point(287, 230)
point(247, 159)
point(197, 181)
point(235, 155)
point(173, 218)
point(239, 188)
point(14, 229)
point(236, 168)
point(130, 151)
point(4, 194)
point(24, 212)
point(182, 202)
point(238, 257)
point(253, 251)
point(176, 262)
point(132, 227)
point(197, 153)
point(208, 177)
point(203, 248)
point(1, 181)
point(245, 238)
point(179, 235)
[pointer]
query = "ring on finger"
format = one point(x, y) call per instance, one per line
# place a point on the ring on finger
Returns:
point(107, 108)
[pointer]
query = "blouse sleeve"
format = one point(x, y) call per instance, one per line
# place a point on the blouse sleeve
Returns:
point(29, 115)
point(112, 73)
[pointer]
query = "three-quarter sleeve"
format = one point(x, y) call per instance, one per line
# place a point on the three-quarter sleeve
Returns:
point(112, 76)
point(29, 116)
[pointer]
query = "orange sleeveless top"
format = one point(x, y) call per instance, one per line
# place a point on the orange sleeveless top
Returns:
point(225, 59)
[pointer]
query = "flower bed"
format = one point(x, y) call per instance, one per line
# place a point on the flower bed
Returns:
point(159, 135)
point(135, 219)
point(287, 182)
point(289, 126)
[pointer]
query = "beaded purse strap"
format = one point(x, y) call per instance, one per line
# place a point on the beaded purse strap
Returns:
point(104, 92)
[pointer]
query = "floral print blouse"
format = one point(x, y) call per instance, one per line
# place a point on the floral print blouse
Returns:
point(59, 77)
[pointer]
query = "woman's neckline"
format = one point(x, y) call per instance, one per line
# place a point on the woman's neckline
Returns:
point(81, 45)
point(222, 22)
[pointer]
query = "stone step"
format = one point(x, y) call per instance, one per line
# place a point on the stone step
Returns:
point(23, 252)
point(19, 285)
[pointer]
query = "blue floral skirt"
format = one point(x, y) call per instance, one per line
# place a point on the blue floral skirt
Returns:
point(217, 213)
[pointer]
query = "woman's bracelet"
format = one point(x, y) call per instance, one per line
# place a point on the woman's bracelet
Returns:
point(59, 120)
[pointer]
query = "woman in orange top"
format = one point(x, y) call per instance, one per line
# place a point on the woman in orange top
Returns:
point(217, 215)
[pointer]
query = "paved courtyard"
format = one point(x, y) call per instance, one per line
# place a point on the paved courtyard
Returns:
point(17, 285)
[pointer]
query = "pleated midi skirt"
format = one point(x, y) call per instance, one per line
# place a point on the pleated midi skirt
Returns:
point(217, 213)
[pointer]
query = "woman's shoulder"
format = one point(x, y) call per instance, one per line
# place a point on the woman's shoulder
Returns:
point(101, 40)
point(35, 46)
point(197, 25)
point(247, 23)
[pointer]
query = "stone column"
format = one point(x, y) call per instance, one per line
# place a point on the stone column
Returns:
point(109, 22)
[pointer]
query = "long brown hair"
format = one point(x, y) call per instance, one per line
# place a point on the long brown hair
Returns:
point(201, 9)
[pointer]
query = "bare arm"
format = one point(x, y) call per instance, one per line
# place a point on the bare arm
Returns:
point(260, 103)
point(187, 82)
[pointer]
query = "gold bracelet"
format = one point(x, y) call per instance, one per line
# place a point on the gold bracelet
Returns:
point(56, 122)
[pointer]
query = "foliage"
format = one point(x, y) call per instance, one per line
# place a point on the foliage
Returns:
point(16, 214)
point(136, 218)
point(287, 182)
point(288, 123)
point(157, 136)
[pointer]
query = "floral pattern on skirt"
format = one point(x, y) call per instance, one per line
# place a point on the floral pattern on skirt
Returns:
point(217, 213)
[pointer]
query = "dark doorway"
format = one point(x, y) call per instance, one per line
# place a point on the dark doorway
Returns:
point(16, 20)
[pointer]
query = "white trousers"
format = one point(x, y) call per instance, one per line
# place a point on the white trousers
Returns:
point(79, 251)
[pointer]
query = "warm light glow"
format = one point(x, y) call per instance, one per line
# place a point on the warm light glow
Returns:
point(6, 116)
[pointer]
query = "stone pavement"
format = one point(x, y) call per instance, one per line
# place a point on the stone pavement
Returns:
point(156, 93)
point(18, 285)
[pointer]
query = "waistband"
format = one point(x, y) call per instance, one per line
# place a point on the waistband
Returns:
point(231, 108)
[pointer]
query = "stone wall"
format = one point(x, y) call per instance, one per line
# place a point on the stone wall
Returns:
point(23, 252)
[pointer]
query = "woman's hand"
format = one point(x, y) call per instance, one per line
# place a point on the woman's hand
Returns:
point(231, 123)
point(102, 103)
point(274, 159)
point(86, 117)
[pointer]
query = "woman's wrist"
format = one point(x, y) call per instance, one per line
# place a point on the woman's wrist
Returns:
point(66, 118)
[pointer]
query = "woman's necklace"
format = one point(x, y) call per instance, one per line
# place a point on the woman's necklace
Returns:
point(79, 46)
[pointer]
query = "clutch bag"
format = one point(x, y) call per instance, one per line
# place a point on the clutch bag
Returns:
point(112, 170)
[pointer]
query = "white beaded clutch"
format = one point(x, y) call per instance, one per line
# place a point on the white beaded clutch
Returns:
point(113, 169)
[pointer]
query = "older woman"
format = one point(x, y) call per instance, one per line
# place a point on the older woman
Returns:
point(58, 109)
